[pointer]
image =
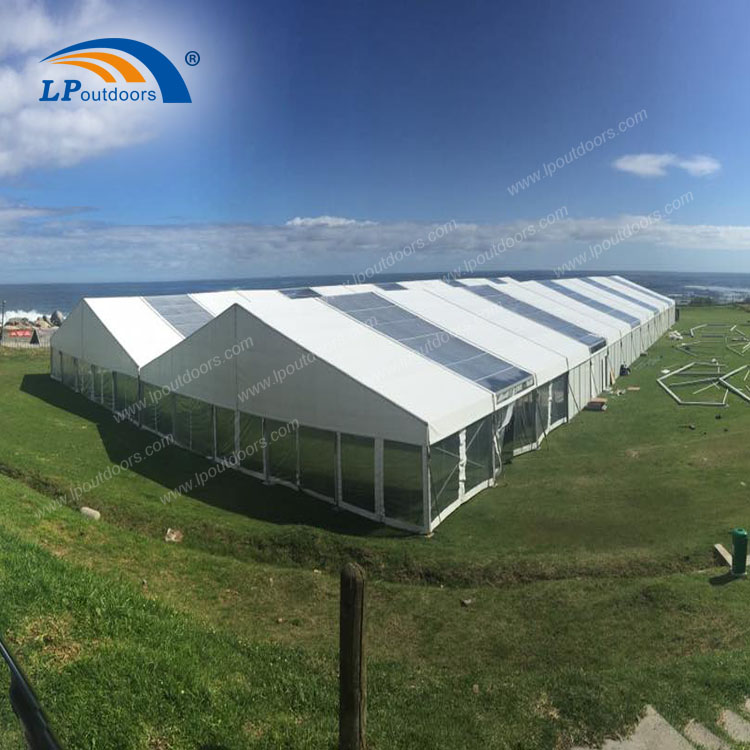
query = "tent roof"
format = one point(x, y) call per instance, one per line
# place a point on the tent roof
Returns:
point(527, 293)
point(416, 297)
point(399, 374)
point(558, 294)
point(625, 309)
point(636, 292)
point(532, 322)
point(498, 336)
point(142, 332)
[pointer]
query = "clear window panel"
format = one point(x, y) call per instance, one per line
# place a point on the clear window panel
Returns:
point(479, 450)
point(182, 419)
point(55, 364)
point(251, 442)
point(69, 371)
point(224, 432)
point(559, 409)
point(96, 375)
point(358, 471)
point(201, 428)
point(149, 413)
point(444, 473)
point(126, 393)
point(282, 450)
point(402, 482)
point(108, 388)
point(523, 423)
point(317, 457)
point(164, 407)
point(541, 397)
point(501, 426)
point(530, 418)
point(85, 380)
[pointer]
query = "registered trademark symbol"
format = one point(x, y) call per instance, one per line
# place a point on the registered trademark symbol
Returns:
point(192, 58)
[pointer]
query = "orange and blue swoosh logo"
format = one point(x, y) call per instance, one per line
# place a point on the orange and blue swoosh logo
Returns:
point(113, 68)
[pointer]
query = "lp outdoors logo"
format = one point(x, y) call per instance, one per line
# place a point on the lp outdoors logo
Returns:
point(168, 79)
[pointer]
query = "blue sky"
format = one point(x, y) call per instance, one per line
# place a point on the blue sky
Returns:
point(372, 122)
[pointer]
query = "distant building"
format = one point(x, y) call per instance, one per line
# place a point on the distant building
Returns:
point(17, 334)
point(42, 336)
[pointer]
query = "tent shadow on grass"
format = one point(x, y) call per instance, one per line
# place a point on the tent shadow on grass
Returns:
point(230, 491)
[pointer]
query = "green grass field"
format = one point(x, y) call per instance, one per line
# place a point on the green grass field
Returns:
point(588, 567)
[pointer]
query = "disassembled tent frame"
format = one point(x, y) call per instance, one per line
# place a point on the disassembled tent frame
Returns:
point(396, 401)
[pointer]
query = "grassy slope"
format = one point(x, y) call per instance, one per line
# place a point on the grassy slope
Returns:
point(626, 615)
point(616, 492)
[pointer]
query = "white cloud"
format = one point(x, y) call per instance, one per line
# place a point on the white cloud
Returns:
point(33, 238)
point(32, 137)
point(14, 214)
point(656, 165)
point(36, 134)
point(28, 25)
point(326, 221)
point(699, 166)
point(645, 165)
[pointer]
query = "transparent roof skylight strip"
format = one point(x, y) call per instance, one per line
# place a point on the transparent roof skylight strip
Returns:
point(593, 341)
point(299, 293)
point(617, 293)
point(433, 343)
point(180, 311)
point(631, 320)
point(643, 290)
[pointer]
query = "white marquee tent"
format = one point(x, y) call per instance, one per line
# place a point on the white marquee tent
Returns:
point(398, 401)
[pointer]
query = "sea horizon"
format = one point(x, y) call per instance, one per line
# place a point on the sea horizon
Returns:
point(43, 298)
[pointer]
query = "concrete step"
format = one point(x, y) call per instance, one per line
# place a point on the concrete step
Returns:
point(652, 733)
point(702, 737)
point(735, 726)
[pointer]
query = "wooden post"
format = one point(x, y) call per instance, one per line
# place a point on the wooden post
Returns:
point(352, 672)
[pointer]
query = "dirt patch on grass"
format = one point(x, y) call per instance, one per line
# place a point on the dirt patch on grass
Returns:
point(49, 640)
point(34, 480)
point(253, 730)
point(157, 742)
point(545, 709)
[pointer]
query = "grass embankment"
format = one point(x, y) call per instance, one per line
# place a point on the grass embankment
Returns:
point(587, 571)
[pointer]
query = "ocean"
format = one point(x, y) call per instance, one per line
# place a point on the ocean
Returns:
point(33, 300)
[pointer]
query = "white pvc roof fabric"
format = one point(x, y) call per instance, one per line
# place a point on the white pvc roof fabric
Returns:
point(141, 332)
